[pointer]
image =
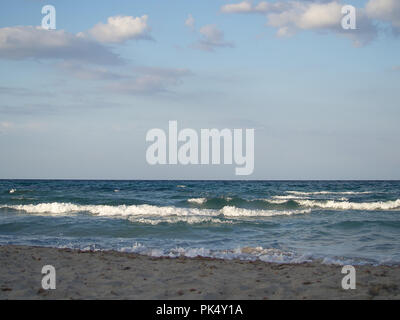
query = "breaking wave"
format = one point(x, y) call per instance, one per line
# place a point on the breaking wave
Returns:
point(271, 255)
point(188, 220)
point(145, 210)
point(197, 200)
point(346, 205)
point(301, 193)
point(230, 211)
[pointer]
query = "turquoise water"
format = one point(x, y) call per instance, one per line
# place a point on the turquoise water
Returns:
point(353, 222)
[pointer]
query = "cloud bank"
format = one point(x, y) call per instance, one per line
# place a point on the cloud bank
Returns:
point(88, 56)
point(30, 42)
point(150, 80)
point(24, 42)
point(385, 10)
point(290, 17)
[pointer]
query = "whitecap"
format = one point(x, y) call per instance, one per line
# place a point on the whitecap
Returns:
point(197, 200)
point(303, 193)
point(347, 205)
point(145, 210)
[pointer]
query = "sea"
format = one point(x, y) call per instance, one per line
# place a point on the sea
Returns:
point(332, 222)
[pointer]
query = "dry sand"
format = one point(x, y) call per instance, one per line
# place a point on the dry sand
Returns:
point(115, 275)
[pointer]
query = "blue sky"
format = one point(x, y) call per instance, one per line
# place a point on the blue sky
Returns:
point(76, 102)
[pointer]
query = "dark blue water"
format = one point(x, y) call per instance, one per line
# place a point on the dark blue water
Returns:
point(289, 221)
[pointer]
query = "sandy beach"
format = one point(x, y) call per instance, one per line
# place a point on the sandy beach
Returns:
point(116, 275)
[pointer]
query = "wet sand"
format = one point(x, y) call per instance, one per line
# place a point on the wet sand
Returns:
point(116, 275)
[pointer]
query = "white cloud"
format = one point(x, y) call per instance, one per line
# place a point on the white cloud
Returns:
point(85, 72)
point(190, 22)
point(306, 16)
point(211, 38)
point(291, 16)
point(138, 80)
point(150, 80)
point(7, 127)
point(242, 7)
point(24, 42)
point(119, 29)
point(85, 55)
point(4, 125)
point(29, 42)
point(262, 7)
point(385, 10)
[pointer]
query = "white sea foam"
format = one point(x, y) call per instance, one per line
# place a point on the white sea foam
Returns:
point(245, 253)
point(145, 210)
point(241, 253)
point(57, 208)
point(188, 220)
point(275, 201)
point(12, 190)
point(107, 210)
point(291, 197)
point(269, 255)
point(230, 211)
point(302, 193)
point(285, 199)
point(272, 255)
point(197, 200)
point(204, 200)
point(45, 208)
point(346, 205)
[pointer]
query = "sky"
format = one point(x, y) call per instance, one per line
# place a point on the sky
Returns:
point(76, 102)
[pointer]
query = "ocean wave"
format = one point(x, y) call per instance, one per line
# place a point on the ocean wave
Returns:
point(287, 197)
point(246, 253)
point(303, 193)
point(346, 205)
point(215, 201)
point(197, 200)
point(270, 255)
point(57, 208)
point(108, 210)
point(188, 220)
point(275, 201)
point(230, 211)
point(273, 207)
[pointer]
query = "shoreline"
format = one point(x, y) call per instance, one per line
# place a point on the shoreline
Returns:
point(119, 275)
